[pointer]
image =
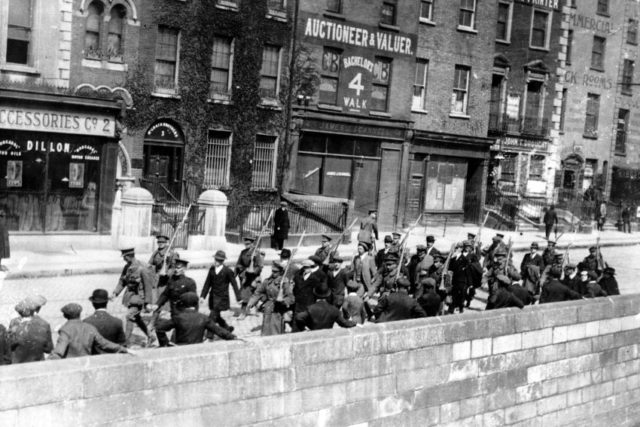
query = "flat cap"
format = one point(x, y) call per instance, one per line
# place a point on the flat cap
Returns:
point(316, 259)
point(336, 258)
point(189, 299)
point(403, 282)
point(430, 238)
point(72, 310)
point(24, 308)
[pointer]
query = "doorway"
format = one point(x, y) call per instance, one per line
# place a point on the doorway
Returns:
point(163, 154)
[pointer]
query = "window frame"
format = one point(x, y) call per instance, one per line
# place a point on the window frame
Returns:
point(339, 8)
point(278, 72)
point(537, 158)
point(123, 32)
point(162, 90)
point(329, 75)
point(378, 83)
point(455, 89)
point(547, 30)
point(632, 31)
point(394, 18)
point(592, 133)
point(274, 156)
point(569, 53)
point(624, 131)
point(600, 66)
point(227, 167)
point(628, 68)
point(213, 94)
point(30, 57)
point(602, 7)
point(428, 19)
point(473, 11)
point(423, 84)
point(509, 22)
point(97, 54)
point(563, 109)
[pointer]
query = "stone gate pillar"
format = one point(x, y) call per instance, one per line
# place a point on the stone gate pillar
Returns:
point(214, 203)
point(134, 228)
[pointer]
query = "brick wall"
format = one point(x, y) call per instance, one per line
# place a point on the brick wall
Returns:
point(571, 363)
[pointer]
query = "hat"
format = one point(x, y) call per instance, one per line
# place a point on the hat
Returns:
point(503, 280)
point(307, 263)
point(326, 238)
point(429, 282)
point(467, 243)
point(551, 242)
point(220, 256)
point(421, 248)
point(500, 235)
point(136, 300)
point(391, 257)
point(276, 265)
point(593, 275)
point(372, 211)
point(430, 238)
point(189, 299)
point(38, 301)
point(403, 282)
point(610, 270)
point(558, 257)
point(180, 261)
point(438, 257)
point(72, 310)
point(534, 245)
point(284, 203)
point(592, 249)
point(162, 238)
point(99, 296)
point(24, 308)
point(500, 252)
point(396, 234)
point(388, 238)
point(556, 271)
point(249, 239)
point(336, 258)
point(364, 245)
point(285, 253)
point(471, 236)
point(322, 291)
point(316, 259)
point(128, 251)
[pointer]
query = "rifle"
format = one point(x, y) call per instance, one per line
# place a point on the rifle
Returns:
point(403, 245)
point(280, 296)
point(506, 266)
point(445, 267)
point(251, 267)
point(476, 241)
point(163, 269)
point(334, 247)
point(599, 260)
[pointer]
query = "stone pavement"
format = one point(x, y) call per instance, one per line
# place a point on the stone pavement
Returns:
point(67, 261)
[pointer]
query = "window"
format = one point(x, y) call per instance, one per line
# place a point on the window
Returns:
point(114, 37)
point(329, 79)
point(632, 31)
point(19, 32)
point(621, 131)
point(467, 17)
point(591, 120)
point(508, 167)
point(536, 167)
point(426, 10)
point(569, 46)
point(221, 60)
point(388, 14)
point(540, 29)
point(264, 162)
point(603, 7)
point(278, 5)
point(166, 70)
point(627, 76)
point(563, 109)
point(460, 97)
point(92, 31)
point(269, 72)
point(497, 121)
point(380, 87)
point(420, 85)
point(503, 29)
point(533, 107)
point(334, 6)
point(217, 159)
point(597, 53)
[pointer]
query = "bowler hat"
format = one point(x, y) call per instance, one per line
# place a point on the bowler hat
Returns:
point(322, 290)
point(364, 245)
point(189, 299)
point(551, 242)
point(438, 257)
point(220, 256)
point(72, 310)
point(403, 282)
point(128, 251)
point(431, 239)
point(99, 296)
point(285, 253)
point(315, 259)
point(284, 203)
point(162, 238)
point(388, 239)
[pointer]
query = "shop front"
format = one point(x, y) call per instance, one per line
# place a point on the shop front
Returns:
point(523, 166)
point(57, 168)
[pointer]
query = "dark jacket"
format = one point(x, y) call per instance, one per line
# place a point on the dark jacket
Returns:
point(531, 260)
point(338, 285)
point(609, 285)
point(522, 294)
point(550, 217)
point(77, 338)
point(502, 298)
point(573, 284)
point(303, 289)
point(321, 315)
point(281, 224)
point(176, 286)
point(397, 306)
point(430, 303)
point(554, 291)
point(136, 269)
point(108, 326)
point(29, 339)
point(190, 326)
point(459, 266)
point(217, 287)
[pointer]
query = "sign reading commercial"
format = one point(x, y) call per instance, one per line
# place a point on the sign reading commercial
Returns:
point(31, 119)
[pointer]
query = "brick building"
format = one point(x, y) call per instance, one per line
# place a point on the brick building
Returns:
point(525, 96)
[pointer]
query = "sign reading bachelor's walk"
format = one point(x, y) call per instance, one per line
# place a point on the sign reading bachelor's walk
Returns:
point(356, 61)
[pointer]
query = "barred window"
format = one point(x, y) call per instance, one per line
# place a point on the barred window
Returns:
point(536, 167)
point(221, 61)
point(166, 70)
point(269, 71)
point(264, 162)
point(217, 159)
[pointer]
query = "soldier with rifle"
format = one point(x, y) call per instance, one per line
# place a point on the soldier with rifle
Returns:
point(247, 269)
point(274, 297)
point(325, 247)
point(162, 261)
point(445, 285)
point(327, 250)
point(177, 285)
point(593, 262)
point(458, 265)
point(502, 264)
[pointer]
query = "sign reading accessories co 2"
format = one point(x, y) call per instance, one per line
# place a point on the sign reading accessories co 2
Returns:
point(31, 119)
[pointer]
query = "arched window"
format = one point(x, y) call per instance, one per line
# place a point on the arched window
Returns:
point(92, 31)
point(114, 38)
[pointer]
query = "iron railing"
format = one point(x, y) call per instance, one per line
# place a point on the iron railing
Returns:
point(500, 124)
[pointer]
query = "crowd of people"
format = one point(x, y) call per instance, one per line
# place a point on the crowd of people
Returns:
point(389, 284)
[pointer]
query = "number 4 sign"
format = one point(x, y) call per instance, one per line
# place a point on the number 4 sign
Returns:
point(355, 96)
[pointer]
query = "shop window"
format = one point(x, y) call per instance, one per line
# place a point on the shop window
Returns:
point(264, 161)
point(330, 76)
point(426, 10)
point(334, 6)
point(460, 97)
point(269, 73)
point(603, 7)
point(19, 32)
point(536, 167)
point(467, 15)
point(508, 166)
point(627, 77)
point(540, 23)
point(446, 182)
point(388, 13)
point(632, 31)
point(420, 85)
point(503, 28)
point(597, 53)
point(166, 66)
point(217, 159)
point(92, 31)
point(380, 88)
point(114, 38)
point(621, 131)
point(569, 46)
point(591, 119)
point(221, 65)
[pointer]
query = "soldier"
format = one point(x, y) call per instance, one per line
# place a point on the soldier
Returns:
point(554, 291)
point(556, 261)
point(136, 281)
point(502, 298)
point(531, 268)
point(431, 249)
point(110, 327)
point(247, 270)
point(488, 252)
point(337, 278)
point(608, 282)
point(285, 260)
point(216, 286)
point(474, 271)
point(385, 280)
point(458, 264)
point(274, 296)
point(477, 245)
point(321, 314)
point(190, 325)
point(499, 266)
point(363, 269)
point(381, 254)
point(436, 272)
point(395, 242)
point(369, 228)
point(177, 285)
point(418, 262)
point(398, 305)
point(160, 270)
point(549, 253)
point(590, 263)
point(323, 251)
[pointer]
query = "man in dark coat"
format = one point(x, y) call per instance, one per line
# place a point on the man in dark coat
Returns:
point(385, 280)
point(474, 271)
point(550, 219)
point(305, 281)
point(521, 293)
point(325, 248)
point(571, 278)
point(108, 326)
point(430, 301)
point(502, 298)
point(549, 253)
point(5, 347)
point(216, 286)
point(281, 225)
point(321, 314)
point(531, 268)
point(380, 255)
point(590, 262)
point(5, 252)
point(458, 265)
point(608, 282)
point(398, 305)
point(248, 269)
point(554, 291)
point(177, 285)
point(417, 263)
point(190, 325)
point(431, 249)
point(337, 279)
point(29, 335)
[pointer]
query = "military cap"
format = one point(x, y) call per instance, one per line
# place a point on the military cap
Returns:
point(322, 290)
point(99, 296)
point(500, 252)
point(249, 239)
point(128, 251)
point(180, 261)
point(429, 282)
point(162, 238)
point(284, 203)
point(275, 265)
point(551, 242)
point(558, 257)
point(72, 310)
point(421, 248)
point(471, 236)
point(285, 253)
point(336, 258)
point(316, 259)
point(503, 280)
point(372, 211)
point(136, 300)
point(189, 299)
point(364, 245)
point(388, 238)
point(396, 234)
point(24, 308)
point(438, 257)
point(391, 257)
point(307, 263)
point(610, 270)
point(325, 238)
point(403, 282)
point(592, 249)
point(534, 245)
point(220, 256)
point(430, 238)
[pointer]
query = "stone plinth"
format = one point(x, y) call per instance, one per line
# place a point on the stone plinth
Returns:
point(134, 229)
point(214, 203)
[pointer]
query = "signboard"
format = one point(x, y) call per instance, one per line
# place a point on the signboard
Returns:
point(547, 4)
point(76, 175)
point(524, 143)
point(163, 131)
point(32, 119)
point(77, 151)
